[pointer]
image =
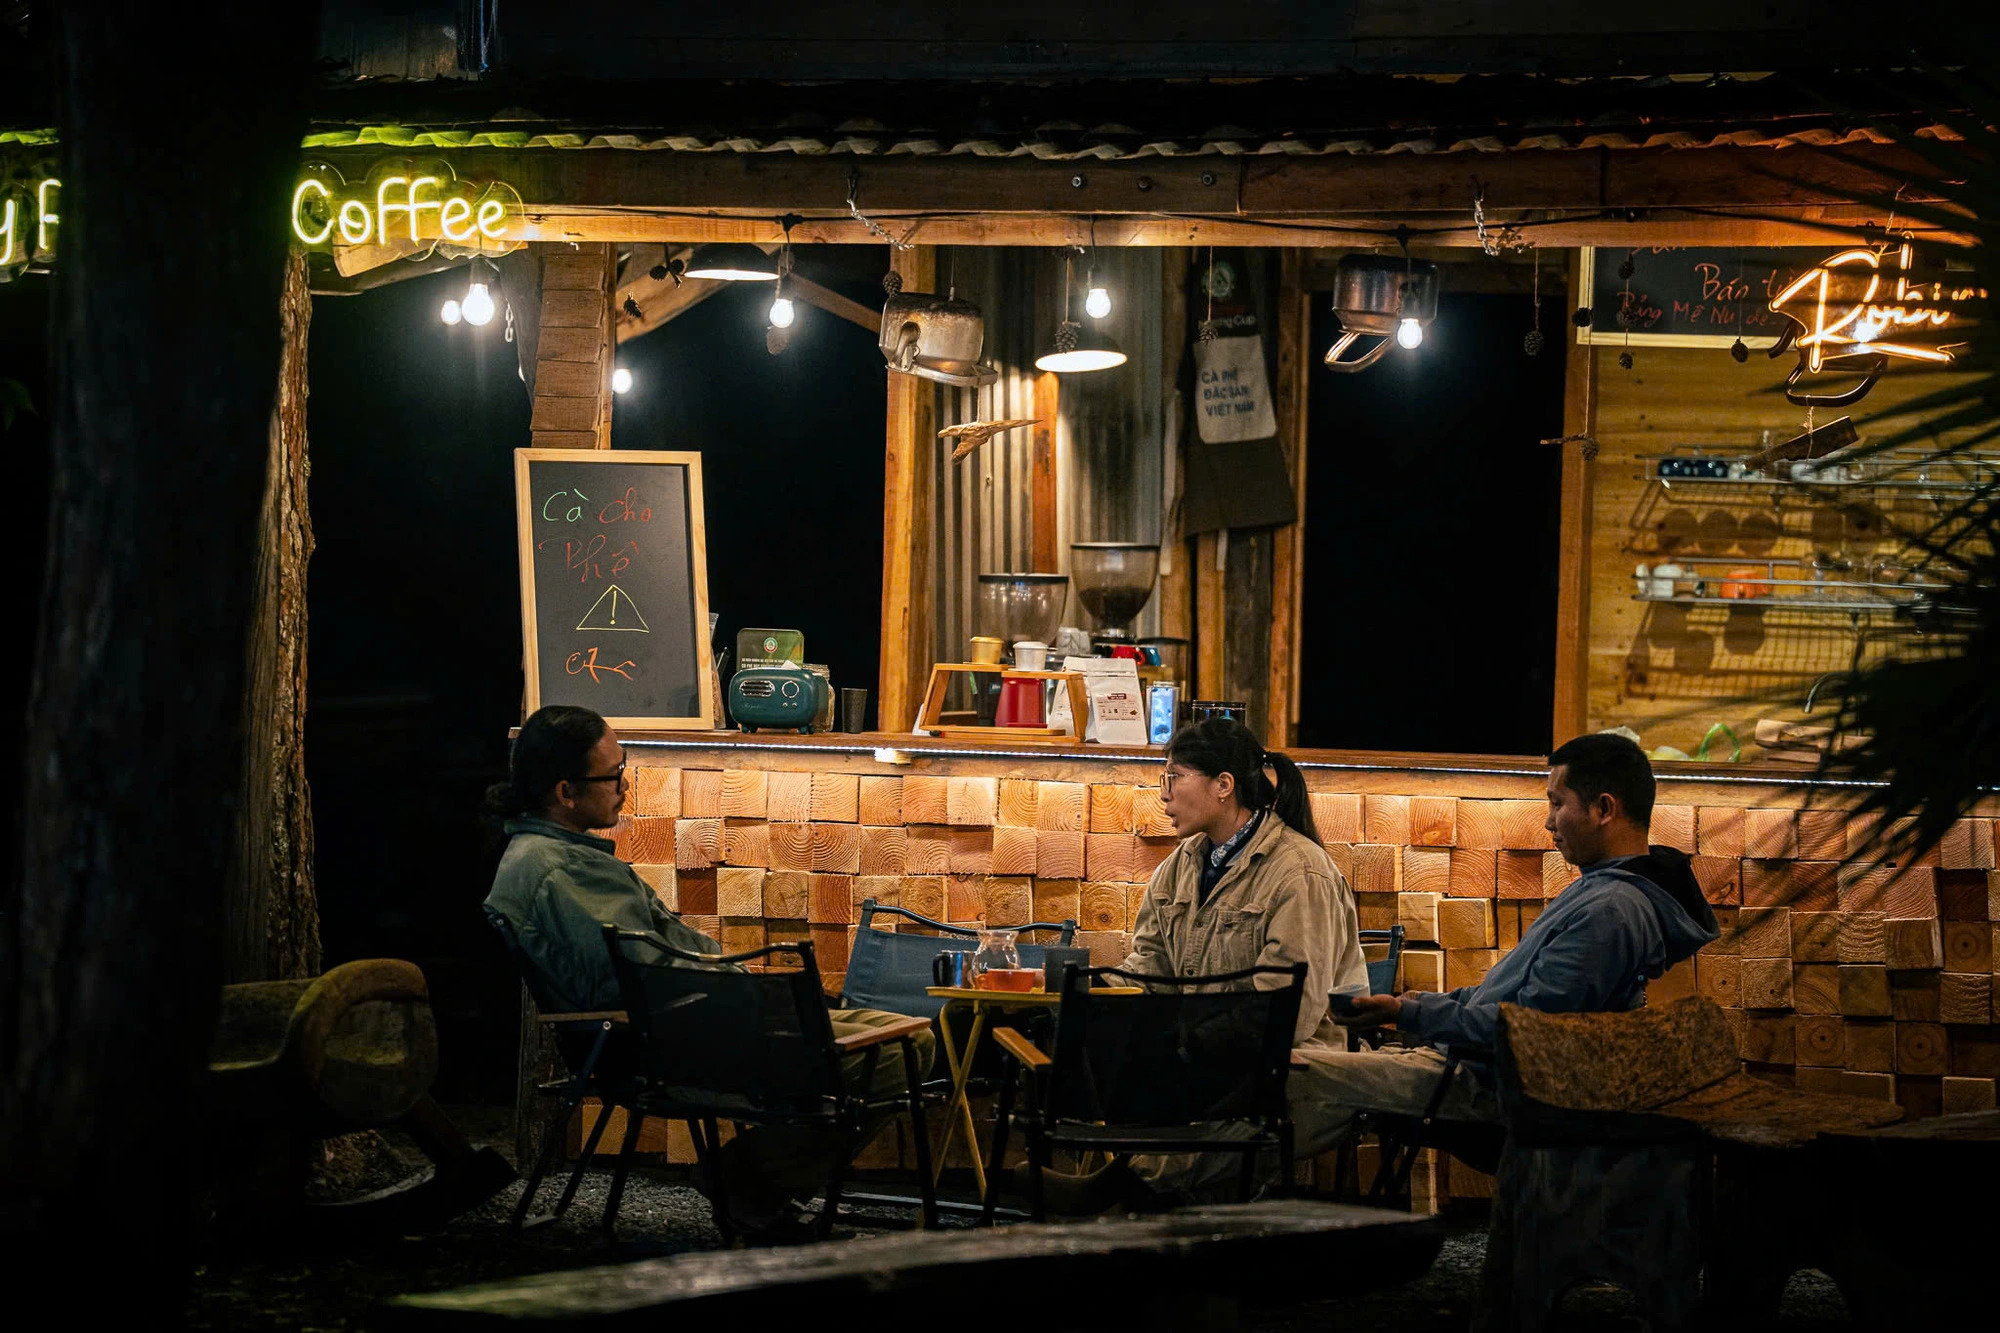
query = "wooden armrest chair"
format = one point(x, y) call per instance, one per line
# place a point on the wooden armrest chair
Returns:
point(717, 1042)
point(1155, 1072)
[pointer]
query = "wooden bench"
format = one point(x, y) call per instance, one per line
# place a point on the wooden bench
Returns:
point(296, 1061)
point(1200, 1267)
point(1616, 1125)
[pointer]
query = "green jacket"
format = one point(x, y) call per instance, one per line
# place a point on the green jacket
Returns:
point(557, 889)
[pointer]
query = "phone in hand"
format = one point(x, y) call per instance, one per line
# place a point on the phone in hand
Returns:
point(1342, 1005)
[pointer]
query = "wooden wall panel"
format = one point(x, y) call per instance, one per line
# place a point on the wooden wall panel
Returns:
point(1668, 671)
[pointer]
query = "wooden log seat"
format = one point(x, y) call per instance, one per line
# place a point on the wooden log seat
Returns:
point(1677, 1061)
point(1196, 1268)
point(353, 1049)
point(1615, 1123)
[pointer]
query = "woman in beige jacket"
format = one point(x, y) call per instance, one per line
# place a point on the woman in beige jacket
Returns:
point(1250, 884)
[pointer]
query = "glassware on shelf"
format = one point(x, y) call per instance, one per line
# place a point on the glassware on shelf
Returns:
point(996, 964)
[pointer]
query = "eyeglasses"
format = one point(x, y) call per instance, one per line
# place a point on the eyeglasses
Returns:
point(1167, 778)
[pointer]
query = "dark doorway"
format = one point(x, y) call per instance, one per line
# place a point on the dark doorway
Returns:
point(1432, 538)
point(791, 457)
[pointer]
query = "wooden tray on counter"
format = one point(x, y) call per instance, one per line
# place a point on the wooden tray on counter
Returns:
point(933, 707)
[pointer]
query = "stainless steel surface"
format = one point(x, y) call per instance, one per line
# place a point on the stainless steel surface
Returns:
point(1374, 293)
point(1015, 606)
point(936, 338)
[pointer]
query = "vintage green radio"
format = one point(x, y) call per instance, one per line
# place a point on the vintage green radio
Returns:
point(789, 697)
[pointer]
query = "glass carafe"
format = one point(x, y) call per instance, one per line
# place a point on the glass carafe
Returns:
point(996, 964)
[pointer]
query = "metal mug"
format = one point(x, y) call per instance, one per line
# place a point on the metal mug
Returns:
point(950, 968)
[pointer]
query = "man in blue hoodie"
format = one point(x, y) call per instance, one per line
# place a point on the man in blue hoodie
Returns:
point(1635, 911)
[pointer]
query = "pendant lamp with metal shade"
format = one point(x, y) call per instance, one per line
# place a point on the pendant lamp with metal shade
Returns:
point(1079, 347)
point(732, 261)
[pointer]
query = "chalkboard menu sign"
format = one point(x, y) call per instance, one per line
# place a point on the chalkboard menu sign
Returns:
point(1691, 297)
point(614, 584)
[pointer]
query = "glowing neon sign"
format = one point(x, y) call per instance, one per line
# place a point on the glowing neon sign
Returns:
point(404, 203)
point(1847, 302)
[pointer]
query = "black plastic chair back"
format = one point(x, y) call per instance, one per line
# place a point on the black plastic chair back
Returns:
point(718, 1038)
point(1173, 1055)
point(889, 970)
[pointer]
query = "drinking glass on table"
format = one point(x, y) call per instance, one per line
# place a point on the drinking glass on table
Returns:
point(996, 964)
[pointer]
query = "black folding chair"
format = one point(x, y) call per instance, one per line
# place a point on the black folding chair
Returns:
point(1156, 1072)
point(1401, 1137)
point(891, 970)
point(756, 1048)
point(597, 1050)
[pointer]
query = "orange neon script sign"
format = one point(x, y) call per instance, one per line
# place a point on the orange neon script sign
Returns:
point(1848, 302)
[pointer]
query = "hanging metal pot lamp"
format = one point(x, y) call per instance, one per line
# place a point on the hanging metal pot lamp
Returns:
point(732, 261)
point(1381, 296)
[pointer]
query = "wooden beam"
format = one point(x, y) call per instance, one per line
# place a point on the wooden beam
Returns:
point(910, 445)
point(1042, 520)
point(1572, 673)
point(1177, 553)
point(1587, 196)
point(1294, 317)
point(805, 289)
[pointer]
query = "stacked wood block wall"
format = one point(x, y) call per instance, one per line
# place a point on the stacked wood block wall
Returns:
point(1874, 981)
point(572, 407)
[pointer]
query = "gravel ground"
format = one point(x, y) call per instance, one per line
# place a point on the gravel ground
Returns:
point(340, 1291)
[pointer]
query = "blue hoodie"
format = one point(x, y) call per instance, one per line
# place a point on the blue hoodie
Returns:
point(1591, 950)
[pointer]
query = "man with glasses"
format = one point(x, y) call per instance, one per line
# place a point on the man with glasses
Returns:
point(559, 881)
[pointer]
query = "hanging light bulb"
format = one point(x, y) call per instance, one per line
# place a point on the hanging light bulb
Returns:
point(478, 305)
point(1410, 334)
point(621, 380)
point(449, 314)
point(782, 313)
point(1097, 304)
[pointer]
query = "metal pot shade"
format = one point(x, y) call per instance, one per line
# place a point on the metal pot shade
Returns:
point(731, 261)
point(1374, 295)
point(1094, 350)
point(935, 338)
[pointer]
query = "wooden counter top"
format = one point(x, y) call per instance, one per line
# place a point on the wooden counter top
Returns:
point(899, 748)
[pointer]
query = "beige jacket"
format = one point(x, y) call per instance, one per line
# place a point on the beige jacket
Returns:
point(1281, 901)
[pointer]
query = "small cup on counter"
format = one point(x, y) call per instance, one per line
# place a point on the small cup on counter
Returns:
point(1030, 655)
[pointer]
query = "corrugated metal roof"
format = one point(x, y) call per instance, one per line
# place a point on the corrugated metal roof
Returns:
point(1126, 121)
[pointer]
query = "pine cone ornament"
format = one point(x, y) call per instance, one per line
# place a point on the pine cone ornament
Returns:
point(1624, 360)
point(1066, 335)
point(1206, 333)
point(1739, 351)
point(1532, 343)
point(892, 282)
point(1628, 268)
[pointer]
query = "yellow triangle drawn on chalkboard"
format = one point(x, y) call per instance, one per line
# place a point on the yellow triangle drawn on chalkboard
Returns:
point(608, 610)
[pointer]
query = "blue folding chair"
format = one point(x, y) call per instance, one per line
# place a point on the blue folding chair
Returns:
point(890, 971)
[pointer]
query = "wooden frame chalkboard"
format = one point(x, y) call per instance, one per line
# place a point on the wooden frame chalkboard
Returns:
point(613, 558)
point(1682, 292)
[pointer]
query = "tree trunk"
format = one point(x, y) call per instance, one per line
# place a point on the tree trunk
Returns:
point(271, 914)
point(166, 337)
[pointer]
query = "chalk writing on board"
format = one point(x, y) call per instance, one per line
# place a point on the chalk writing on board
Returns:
point(586, 663)
point(614, 606)
point(604, 613)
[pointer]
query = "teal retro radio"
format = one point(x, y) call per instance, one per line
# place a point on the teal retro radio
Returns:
point(789, 697)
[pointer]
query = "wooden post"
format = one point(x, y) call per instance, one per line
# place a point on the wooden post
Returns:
point(1572, 673)
point(1211, 646)
point(1294, 317)
point(1043, 519)
point(1177, 553)
point(909, 445)
point(572, 396)
point(271, 917)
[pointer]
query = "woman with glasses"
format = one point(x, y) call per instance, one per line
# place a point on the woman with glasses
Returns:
point(1250, 884)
